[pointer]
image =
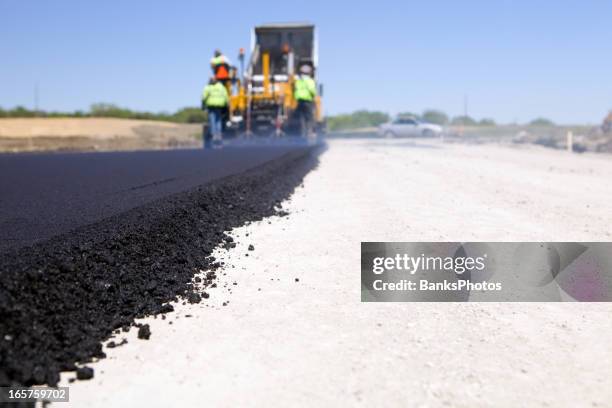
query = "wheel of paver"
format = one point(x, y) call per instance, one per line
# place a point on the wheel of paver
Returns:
point(389, 134)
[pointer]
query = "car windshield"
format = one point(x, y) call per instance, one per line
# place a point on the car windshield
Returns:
point(405, 120)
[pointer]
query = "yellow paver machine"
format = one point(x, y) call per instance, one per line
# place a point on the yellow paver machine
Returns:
point(262, 102)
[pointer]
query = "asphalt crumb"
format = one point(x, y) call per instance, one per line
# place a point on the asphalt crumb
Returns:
point(84, 373)
point(61, 299)
point(194, 297)
point(113, 344)
point(144, 332)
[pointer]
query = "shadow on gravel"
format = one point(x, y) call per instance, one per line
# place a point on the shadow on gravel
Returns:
point(59, 300)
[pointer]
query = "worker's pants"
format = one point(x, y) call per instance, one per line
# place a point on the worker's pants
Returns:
point(206, 136)
point(304, 111)
point(215, 122)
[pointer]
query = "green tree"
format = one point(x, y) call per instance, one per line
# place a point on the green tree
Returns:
point(408, 115)
point(189, 115)
point(356, 120)
point(435, 116)
point(109, 110)
point(21, 112)
point(486, 122)
point(464, 120)
point(541, 122)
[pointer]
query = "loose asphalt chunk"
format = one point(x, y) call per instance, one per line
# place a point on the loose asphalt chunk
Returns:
point(62, 298)
point(84, 373)
point(144, 332)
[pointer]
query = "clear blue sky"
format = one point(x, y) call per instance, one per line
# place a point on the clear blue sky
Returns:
point(514, 59)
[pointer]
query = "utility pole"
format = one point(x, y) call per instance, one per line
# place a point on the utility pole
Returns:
point(36, 97)
point(465, 112)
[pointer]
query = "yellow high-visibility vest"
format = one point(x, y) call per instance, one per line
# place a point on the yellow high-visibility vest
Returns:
point(215, 95)
point(305, 88)
point(218, 60)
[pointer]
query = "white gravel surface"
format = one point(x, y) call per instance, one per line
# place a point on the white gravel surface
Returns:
point(313, 343)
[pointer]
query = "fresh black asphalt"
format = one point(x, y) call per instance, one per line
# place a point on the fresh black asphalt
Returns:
point(98, 240)
point(43, 195)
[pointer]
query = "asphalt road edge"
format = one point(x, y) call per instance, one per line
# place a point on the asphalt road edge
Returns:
point(62, 298)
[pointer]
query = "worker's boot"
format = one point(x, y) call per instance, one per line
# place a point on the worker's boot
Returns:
point(217, 141)
point(208, 141)
point(207, 137)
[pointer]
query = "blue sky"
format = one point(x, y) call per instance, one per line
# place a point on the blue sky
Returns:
point(514, 59)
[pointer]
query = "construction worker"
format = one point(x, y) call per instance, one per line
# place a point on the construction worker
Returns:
point(220, 66)
point(224, 73)
point(305, 91)
point(215, 100)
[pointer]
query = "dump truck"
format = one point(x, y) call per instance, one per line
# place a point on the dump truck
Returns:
point(261, 96)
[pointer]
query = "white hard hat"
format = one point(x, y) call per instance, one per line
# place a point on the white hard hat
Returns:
point(305, 69)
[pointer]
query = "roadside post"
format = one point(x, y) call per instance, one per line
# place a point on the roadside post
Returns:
point(570, 141)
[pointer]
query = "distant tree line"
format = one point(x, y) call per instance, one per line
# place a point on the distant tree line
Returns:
point(107, 110)
point(440, 118)
point(541, 122)
point(365, 118)
point(354, 120)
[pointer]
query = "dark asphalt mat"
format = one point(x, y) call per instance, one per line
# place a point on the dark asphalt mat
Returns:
point(62, 297)
point(44, 195)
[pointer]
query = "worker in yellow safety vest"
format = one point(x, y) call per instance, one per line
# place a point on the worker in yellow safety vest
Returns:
point(220, 65)
point(215, 100)
point(304, 92)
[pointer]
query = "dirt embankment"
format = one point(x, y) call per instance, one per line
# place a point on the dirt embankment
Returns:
point(94, 134)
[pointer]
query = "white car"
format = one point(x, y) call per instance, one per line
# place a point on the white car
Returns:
point(409, 127)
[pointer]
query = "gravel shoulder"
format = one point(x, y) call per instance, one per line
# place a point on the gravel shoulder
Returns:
point(295, 332)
